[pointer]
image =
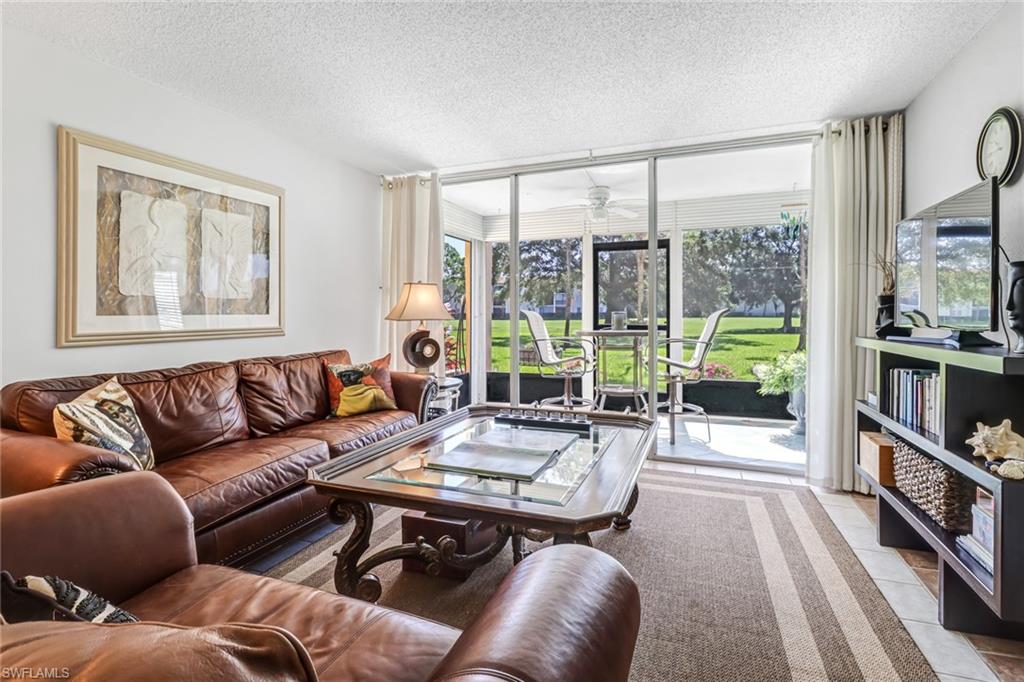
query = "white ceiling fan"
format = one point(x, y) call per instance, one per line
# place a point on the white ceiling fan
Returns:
point(600, 205)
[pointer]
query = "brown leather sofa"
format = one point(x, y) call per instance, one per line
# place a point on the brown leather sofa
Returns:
point(566, 612)
point(233, 438)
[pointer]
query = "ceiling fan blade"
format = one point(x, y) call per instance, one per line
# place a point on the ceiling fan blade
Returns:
point(557, 208)
point(624, 212)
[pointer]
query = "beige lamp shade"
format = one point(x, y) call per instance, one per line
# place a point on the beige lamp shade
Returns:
point(419, 301)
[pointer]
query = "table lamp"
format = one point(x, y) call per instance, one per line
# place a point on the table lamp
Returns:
point(420, 301)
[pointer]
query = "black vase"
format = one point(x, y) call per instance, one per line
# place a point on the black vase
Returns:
point(885, 319)
point(1015, 301)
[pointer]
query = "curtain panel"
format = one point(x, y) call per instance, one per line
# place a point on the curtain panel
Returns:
point(857, 196)
point(411, 248)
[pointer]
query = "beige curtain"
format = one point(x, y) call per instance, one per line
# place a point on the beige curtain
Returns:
point(412, 250)
point(857, 199)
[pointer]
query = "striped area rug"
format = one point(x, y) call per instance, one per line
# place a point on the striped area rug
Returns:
point(738, 581)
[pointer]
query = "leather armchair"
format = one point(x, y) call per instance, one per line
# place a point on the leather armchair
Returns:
point(566, 612)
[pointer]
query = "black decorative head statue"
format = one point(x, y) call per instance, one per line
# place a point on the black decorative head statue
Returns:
point(1015, 302)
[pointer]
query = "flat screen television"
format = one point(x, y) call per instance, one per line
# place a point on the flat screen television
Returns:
point(947, 260)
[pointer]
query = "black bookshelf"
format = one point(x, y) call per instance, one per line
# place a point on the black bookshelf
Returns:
point(985, 385)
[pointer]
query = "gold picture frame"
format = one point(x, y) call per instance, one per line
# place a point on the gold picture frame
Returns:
point(153, 248)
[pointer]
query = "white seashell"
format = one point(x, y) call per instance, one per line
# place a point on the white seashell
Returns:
point(1012, 468)
point(997, 442)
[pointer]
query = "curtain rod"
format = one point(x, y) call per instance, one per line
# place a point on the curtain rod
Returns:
point(388, 184)
point(626, 157)
point(867, 128)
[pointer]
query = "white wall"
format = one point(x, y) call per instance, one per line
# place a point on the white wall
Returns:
point(944, 121)
point(332, 213)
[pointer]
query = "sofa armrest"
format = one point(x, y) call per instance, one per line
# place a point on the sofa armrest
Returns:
point(413, 392)
point(30, 462)
point(154, 651)
point(115, 535)
point(567, 612)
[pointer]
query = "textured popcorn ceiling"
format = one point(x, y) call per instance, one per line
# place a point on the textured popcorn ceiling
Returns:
point(403, 87)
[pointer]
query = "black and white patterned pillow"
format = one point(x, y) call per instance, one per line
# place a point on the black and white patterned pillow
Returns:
point(49, 598)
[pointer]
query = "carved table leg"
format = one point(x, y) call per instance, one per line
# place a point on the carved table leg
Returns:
point(518, 551)
point(352, 577)
point(347, 578)
point(623, 522)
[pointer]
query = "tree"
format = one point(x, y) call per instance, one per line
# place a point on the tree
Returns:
point(550, 266)
point(768, 266)
point(454, 287)
point(707, 285)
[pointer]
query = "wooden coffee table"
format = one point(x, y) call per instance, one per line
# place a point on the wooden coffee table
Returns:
point(590, 487)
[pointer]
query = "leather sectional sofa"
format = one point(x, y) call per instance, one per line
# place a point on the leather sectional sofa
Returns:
point(566, 612)
point(234, 439)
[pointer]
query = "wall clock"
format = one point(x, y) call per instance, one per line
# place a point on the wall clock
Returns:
point(999, 145)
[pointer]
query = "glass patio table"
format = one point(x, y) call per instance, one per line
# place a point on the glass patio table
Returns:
point(589, 486)
point(612, 340)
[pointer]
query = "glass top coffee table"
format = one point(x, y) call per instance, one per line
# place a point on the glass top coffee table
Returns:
point(589, 486)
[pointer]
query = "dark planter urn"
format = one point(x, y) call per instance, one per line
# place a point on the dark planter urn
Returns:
point(885, 319)
point(1015, 301)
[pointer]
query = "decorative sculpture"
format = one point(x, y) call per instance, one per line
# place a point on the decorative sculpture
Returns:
point(997, 442)
point(1015, 302)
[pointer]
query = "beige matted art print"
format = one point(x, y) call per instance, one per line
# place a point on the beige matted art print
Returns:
point(155, 248)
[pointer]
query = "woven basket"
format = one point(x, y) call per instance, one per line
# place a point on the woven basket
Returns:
point(940, 492)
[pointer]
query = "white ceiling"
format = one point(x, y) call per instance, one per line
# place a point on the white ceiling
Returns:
point(412, 86)
point(750, 171)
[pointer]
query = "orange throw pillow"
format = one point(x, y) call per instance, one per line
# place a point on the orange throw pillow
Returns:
point(375, 374)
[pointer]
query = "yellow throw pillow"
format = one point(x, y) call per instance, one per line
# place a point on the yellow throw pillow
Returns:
point(363, 398)
point(105, 417)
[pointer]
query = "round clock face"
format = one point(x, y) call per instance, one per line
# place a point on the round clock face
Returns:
point(999, 147)
point(996, 147)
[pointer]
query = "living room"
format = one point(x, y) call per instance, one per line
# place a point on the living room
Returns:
point(519, 341)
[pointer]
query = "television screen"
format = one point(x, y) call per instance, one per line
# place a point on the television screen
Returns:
point(946, 262)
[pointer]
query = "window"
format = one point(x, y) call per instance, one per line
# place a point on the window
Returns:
point(456, 293)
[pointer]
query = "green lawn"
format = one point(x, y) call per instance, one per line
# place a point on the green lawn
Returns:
point(741, 343)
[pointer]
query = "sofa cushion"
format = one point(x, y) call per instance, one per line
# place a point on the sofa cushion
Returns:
point(346, 638)
point(226, 481)
point(345, 434)
point(155, 651)
point(286, 391)
point(182, 410)
point(105, 417)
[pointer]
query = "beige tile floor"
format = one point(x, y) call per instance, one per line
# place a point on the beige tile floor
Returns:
point(909, 581)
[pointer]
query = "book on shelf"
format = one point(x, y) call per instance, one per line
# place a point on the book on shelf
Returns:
point(914, 398)
point(976, 551)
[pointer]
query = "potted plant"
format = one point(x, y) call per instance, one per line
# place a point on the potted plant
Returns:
point(787, 373)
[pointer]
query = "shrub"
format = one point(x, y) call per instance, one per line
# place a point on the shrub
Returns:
point(787, 372)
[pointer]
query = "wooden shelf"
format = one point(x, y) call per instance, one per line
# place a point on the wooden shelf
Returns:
point(940, 539)
point(996, 360)
point(976, 385)
point(929, 443)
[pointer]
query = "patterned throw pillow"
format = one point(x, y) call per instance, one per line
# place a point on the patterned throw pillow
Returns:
point(357, 389)
point(48, 598)
point(105, 417)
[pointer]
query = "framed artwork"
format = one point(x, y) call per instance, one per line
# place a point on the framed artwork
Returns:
point(154, 248)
